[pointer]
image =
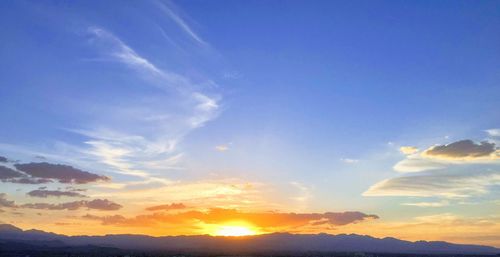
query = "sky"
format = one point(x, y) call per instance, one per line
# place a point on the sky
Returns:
point(221, 117)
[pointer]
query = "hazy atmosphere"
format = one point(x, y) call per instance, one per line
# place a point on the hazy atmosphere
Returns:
point(235, 118)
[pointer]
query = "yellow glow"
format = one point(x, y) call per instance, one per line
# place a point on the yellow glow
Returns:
point(233, 230)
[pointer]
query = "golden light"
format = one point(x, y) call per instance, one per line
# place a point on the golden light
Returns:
point(234, 231)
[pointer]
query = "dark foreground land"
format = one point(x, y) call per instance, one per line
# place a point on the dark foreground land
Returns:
point(16, 242)
point(10, 248)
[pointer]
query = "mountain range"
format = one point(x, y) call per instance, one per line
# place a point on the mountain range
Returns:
point(283, 242)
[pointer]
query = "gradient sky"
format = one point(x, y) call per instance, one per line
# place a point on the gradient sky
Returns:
point(167, 118)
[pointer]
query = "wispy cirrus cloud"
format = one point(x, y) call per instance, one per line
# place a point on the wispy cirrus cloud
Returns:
point(113, 47)
point(135, 135)
point(349, 160)
point(168, 10)
point(442, 184)
point(493, 132)
point(157, 123)
point(428, 204)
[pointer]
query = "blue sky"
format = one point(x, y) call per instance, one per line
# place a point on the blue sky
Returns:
point(307, 102)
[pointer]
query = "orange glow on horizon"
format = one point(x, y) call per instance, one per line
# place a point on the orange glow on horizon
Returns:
point(234, 229)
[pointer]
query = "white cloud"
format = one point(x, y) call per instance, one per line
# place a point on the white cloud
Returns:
point(416, 163)
point(443, 156)
point(180, 22)
point(119, 51)
point(493, 132)
point(139, 137)
point(428, 204)
point(443, 184)
point(305, 192)
point(408, 150)
point(350, 161)
point(222, 148)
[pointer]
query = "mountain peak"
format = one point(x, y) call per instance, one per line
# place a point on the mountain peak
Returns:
point(9, 228)
point(285, 242)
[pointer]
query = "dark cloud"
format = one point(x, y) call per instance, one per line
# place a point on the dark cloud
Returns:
point(29, 180)
point(70, 188)
point(462, 149)
point(6, 203)
point(107, 220)
point(56, 193)
point(221, 216)
point(96, 204)
point(43, 172)
point(167, 207)
point(103, 204)
point(8, 173)
point(59, 172)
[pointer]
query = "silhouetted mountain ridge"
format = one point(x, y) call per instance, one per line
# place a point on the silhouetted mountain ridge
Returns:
point(258, 243)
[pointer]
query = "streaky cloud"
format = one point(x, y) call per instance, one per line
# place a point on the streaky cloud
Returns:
point(443, 184)
point(130, 151)
point(179, 21)
point(53, 193)
point(61, 173)
point(96, 204)
point(167, 207)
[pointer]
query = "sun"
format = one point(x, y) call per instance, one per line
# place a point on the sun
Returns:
point(234, 231)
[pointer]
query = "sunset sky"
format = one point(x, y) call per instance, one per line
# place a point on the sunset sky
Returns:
point(220, 117)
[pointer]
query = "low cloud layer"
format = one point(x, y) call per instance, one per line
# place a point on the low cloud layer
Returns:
point(44, 172)
point(463, 149)
point(59, 172)
point(167, 207)
point(6, 203)
point(53, 193)
point(220, 216)
point(8, 173)
point(13, 176)
point(440, 157)
point(96, 204)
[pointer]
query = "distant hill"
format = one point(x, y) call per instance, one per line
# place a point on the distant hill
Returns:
point(282, 242)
